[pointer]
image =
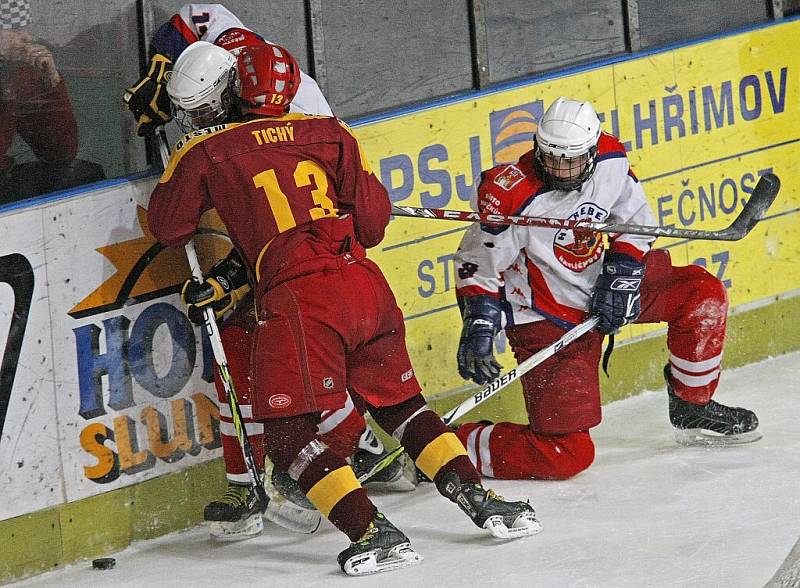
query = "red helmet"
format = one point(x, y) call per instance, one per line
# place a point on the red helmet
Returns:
point(268, 79)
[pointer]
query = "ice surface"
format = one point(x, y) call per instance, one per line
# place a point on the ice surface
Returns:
point(648, 513)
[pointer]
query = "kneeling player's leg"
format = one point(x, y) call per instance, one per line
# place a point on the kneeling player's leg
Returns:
point(441, 457)
point(562, 397)
point(341, 428)
point(694, 304)
point(347, 432)
point(525, 453)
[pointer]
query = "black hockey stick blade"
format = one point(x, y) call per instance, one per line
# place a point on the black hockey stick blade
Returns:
point(760, 200)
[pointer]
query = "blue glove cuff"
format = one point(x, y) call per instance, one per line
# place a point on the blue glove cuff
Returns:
point(483, 309)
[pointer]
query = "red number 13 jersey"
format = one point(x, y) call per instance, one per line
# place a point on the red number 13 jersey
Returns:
point(276, 183)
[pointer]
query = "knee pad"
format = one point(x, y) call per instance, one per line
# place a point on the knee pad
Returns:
point(572, 453)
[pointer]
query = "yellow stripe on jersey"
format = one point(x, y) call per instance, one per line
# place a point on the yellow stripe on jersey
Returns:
point(194, 138)
point(260, 256)
point(188, 141)
point(364, 163)
point(332, 488)
point(438, 453)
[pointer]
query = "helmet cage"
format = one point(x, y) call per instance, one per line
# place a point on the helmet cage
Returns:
point(216, 109)
point(200, 86)
point(566, 144)
point(564, 173)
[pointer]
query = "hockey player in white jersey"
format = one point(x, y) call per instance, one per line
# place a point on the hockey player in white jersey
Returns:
point(544, 281)
point(235, 515)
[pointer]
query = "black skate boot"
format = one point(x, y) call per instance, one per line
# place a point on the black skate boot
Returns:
point(235, 516)
point(381, 548)
point(709, 424)
point(377, 468)
point(503, 519)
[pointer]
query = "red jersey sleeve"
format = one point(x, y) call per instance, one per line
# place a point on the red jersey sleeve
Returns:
point(361, 193)
point(180, 197)
point(45, 118)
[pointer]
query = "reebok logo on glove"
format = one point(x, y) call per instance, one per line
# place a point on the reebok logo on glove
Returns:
point(626, 284)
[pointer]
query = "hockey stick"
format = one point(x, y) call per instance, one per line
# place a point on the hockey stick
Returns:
point(760, 200)
point(516, 373)
point(219, 356)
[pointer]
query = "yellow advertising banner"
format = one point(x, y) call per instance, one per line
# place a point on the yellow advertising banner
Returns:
point(701, 123)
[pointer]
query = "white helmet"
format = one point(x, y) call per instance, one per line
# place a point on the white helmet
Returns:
point(566, 144)
point(200, 86)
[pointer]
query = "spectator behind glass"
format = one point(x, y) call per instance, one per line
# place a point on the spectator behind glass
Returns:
point(34, 104)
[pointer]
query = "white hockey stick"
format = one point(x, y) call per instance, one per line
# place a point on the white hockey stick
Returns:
point(760, 200)
point(219, 356)
point(516, 373)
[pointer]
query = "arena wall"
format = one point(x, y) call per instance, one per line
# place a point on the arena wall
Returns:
point(109, 432)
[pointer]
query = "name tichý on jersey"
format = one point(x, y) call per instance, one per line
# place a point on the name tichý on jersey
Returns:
point(577, 249)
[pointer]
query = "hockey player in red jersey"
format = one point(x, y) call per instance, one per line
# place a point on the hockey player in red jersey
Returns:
point(301, 205)
point(346, 430)
point(544, 281)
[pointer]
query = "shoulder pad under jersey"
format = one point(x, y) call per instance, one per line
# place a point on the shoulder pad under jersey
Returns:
point(509, 188)
point(609, 146)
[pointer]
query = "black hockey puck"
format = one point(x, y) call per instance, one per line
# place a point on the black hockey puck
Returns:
point(104, 563)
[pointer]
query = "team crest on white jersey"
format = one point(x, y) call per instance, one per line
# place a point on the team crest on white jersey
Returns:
point(577, 249)
point(509, 177)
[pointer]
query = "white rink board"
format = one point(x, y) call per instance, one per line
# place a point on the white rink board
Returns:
point(110, 378)
point(71, 253)
point(29, 458)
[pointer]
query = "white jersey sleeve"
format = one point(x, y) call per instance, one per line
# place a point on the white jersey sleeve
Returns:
point(209, 21)
point(309, 98)
point(483, 258)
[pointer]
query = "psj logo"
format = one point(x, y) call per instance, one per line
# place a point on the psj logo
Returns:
point(512, 130)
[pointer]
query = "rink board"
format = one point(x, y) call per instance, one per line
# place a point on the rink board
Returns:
point(701, 124)
point(111, 389)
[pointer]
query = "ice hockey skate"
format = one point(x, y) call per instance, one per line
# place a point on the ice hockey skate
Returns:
point(288, 505)
point(379, 469)
point(236, 515)
point(382, 547)
point(712, 424)
point(503, 519)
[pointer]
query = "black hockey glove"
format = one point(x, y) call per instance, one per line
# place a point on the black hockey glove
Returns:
point(476, 360)
point(615, 298)
point(224, 285)
point(148, 100)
